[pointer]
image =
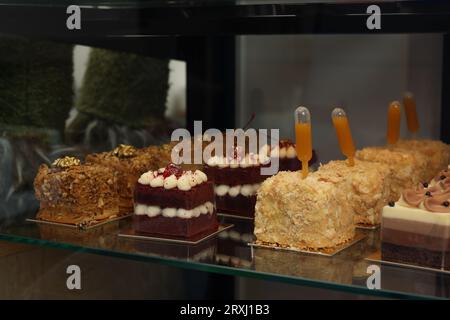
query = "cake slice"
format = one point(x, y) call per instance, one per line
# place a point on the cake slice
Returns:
point(237, 179)
point(174, 202)
point(416, 229)
point(286, 154)
point(309, 213)
point(408, 167)
point(436, 152)
point(368, 184)
point(74, 193)
point(128, 163)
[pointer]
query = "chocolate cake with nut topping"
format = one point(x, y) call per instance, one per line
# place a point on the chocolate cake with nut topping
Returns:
point(73, 193)
point(129, 163)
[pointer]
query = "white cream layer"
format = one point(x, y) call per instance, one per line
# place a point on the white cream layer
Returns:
point(187, 180)
point(281, 153)
point(250, 160)
point(245, 190)
point(153, 211)
point(416, 215)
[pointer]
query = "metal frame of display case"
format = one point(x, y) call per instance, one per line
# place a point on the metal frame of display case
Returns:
point(202, 33)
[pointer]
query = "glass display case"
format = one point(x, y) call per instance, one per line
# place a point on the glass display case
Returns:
point(83, 77)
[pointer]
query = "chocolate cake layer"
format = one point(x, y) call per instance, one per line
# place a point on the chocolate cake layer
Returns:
point(177, 227)
point(234, 176)
point(416, 240)
point(239, 205)
point(289, 164)
point(174, 198)
point(293, 164)
point(415, 256)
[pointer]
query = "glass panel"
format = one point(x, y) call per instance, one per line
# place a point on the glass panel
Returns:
point(228, 253)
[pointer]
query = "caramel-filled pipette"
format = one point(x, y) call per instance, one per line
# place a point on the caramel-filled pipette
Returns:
point(393, 125)
point(303, 137)
point(411, 113)
point(340, 122)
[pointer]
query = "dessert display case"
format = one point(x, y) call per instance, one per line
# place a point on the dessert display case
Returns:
point(50, 116)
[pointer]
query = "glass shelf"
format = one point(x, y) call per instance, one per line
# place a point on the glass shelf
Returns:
point(228, 253)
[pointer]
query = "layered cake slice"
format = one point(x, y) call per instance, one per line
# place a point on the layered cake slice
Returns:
point(129, 163)
point(408, 168)
point(308, 213)
point(237, 178)
point(174, 202)
point(74, 193)
point(287, 155)
point(416, 229)
point(368, 184)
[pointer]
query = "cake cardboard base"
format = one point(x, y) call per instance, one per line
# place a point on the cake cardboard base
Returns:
point(92, 224)
point(133, 234)
point(366, 226)
point(323, 252)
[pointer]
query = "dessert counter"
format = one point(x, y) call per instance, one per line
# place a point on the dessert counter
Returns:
point(228, 253)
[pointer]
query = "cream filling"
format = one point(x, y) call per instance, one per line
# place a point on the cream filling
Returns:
point(246, 190)
point(250, 160)
point(185, 182)
point(153, 211)
point(416, 214)
point(284, 152)
point(236, 236)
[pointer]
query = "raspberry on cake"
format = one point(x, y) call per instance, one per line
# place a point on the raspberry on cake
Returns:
point(368, 184)
point(286, 154)
point(237, 177)
point(436, 152)
point(74, 193)
point(174, 202)
point(408, 167)
point(416, 229)
point(308, 213)
point(128, 163)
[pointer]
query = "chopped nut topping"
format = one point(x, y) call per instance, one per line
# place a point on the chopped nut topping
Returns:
point(124, 151)
point(66, 162)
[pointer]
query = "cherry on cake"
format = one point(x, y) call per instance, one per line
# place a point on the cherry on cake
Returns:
point(174, 202)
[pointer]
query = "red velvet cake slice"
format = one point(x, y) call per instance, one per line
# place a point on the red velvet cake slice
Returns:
point(237, 179)
point(174, 202)
point(286, 154)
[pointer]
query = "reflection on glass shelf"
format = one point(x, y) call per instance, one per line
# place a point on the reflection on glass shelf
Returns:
point(230, 254)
